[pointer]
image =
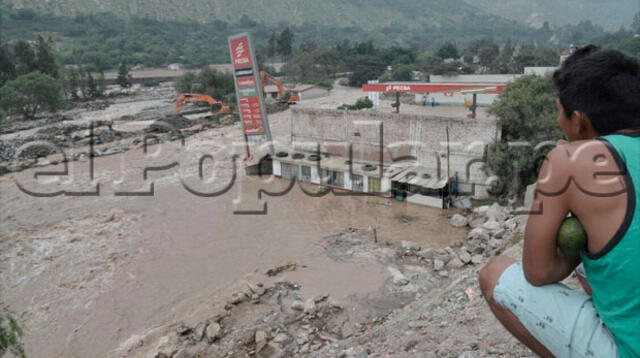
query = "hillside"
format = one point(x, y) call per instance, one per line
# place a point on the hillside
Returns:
point(363, 14)
point(608, 14)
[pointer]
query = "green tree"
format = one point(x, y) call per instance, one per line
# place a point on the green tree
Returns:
point(527, 115)
point(28, 94)
point(217, 84)
point(72, 83)
point(448, 50)
point(123, 76)
point(25, 57)
point(635, 26)
point(7, 67)
point(402, 72)
point(285, 44)
point(366, 68)
point(185, 84)
point(632, 46)
point(46, 57)
point(92, 86)
point(272, 47)
point(10, 335)
point(488, 55)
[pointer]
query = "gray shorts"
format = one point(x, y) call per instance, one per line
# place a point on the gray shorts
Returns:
point(563, 320)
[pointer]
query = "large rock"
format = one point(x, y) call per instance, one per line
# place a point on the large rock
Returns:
point(458, 220)
point(465, 257)
point(310, 306)
point(397, 277)
point(455, 263)
point(477, 222)
point(438, 265)
point(481, 210)
point(213, 332)
point(462, 203)
point(409, 246)
point(478, 234)
point(491, 225)
point(426, 253)
point(497, 213)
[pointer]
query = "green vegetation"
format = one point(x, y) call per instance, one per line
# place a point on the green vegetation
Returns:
point(209, 81)
point(527, 114)
point(10, 335)
point(123, 76)
point(28, 94)
point(361, 103)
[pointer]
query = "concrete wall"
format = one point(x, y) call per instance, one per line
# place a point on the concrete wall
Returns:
point(423, 137)
point(473, 78)
point(456, 98)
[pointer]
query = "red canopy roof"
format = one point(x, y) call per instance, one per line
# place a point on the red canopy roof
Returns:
point(412, 87)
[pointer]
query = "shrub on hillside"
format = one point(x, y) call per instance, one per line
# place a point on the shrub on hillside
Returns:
point(527, 116)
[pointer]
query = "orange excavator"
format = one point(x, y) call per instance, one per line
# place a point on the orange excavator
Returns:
point(217, 107)
point(284, 96)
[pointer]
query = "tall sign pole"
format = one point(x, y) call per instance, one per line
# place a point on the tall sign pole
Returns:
point(251, 107)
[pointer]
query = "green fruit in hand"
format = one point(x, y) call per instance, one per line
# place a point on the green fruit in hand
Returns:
point(571, 236)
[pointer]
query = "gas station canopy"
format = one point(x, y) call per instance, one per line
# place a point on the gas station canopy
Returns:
point(416, 87)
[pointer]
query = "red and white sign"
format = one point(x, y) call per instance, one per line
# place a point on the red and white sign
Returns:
point(251, 114)
point(246, 82)
point(251, 108)
point(432, 87)
point(240, 52)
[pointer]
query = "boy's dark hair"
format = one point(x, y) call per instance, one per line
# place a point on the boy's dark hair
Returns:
point(604, 84)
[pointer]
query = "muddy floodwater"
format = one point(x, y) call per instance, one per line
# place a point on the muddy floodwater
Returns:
point(85, 273)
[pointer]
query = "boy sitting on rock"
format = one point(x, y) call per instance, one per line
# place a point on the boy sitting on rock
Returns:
point(595, 176)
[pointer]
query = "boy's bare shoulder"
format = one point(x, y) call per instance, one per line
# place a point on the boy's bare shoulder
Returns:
point(579, 160)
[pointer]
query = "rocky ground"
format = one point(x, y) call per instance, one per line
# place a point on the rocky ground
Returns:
point(429, 306)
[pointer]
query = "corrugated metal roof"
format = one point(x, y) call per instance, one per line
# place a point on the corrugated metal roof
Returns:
point(420, 176)
point(342, 164)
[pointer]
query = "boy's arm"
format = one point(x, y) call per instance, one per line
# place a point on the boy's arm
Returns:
point(543, 262)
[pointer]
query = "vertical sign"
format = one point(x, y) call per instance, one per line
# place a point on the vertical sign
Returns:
point(251, 106)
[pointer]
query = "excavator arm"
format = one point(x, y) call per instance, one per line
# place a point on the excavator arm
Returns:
point(283, 95)
point(199, 98)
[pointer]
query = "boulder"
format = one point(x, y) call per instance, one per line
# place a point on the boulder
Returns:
point(462, 203)
point(491, 225)
point(213, 332)
point(455, 263)
point(310, 306)
point(481, 210)
point(397, 277)
point(495, 243)
point(478, 234)
point(477, 259)
point(438, 265)
point(297, 305)
point(261, 340)
point(477, 222)
point(458, 220)
point(426, 253)
point(499, 234)
point(465, 257)
point(409, 246)
point(497, 213)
